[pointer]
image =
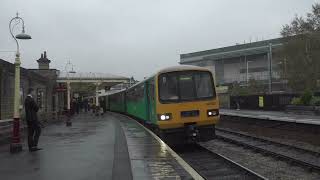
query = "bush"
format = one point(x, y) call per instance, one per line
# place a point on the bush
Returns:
point(296, 101)
point(315, 101)
point(306, 97)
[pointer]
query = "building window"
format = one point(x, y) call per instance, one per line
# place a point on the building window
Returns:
point(40, 98)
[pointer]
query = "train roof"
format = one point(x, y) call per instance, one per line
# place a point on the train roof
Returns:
point(173, 69)
point(182, 68)
point(107, 93)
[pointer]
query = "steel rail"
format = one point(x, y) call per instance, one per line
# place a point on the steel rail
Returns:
point(315, 153)
point(292, 160)
point(229, 165)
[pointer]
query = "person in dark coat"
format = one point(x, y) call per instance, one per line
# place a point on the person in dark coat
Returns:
point(77, 106)
point(73, 107)
point(103, 105)
point(86, 104)
point(34, 126)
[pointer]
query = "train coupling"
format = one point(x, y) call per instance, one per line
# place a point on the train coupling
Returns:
point(192, 133)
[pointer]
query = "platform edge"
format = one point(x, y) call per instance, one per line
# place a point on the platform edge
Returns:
point(193, 173)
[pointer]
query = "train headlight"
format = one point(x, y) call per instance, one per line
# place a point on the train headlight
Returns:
point(164, 117)
point(213, 112)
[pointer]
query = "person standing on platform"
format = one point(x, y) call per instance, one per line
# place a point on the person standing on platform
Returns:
point(34, 126)
point(73, 106)
point(85, 104)
point(77, 105)
point(103, 105)
point(81, 104)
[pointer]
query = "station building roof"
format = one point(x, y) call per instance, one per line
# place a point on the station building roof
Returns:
point(252, 48)
point(10, 67)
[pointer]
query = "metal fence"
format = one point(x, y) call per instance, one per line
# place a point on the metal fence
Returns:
point(274, 102)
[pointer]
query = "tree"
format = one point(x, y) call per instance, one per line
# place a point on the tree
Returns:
point(237, 90)
point(256, 87)
point(253, 87)
point(301, 51)
point(300, 25)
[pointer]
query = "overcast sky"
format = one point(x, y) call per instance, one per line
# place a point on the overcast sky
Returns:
point(138, 37)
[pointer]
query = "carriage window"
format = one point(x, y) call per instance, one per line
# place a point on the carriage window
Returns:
point(140, 91)
point(151, 92)
point(130, 95)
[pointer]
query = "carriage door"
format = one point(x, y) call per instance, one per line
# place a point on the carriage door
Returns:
point(151, 101)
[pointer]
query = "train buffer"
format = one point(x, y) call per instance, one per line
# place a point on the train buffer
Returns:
point(111, 146)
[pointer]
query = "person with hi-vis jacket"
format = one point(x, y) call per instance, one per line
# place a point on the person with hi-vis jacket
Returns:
point(34, 126)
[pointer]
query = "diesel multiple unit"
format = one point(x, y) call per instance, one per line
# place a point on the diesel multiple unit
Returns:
point(179, 104)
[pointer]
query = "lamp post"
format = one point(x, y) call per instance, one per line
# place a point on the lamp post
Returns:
point(97, 84)
point(270, 68)
point(16, 145)
point(69, 64)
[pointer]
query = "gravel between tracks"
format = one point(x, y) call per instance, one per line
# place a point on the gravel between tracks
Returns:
point(287, 151)
point(264, 165)
point(288, 134)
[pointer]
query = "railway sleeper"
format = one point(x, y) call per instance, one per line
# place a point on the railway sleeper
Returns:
point(298, 162)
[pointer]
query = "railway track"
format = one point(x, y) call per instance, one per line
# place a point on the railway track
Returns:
point(292, 154)
point(211, 165)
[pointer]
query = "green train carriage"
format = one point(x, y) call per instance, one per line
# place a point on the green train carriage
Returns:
point(116, 102)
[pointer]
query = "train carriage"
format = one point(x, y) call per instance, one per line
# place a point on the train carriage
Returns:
point(178, 103)
point(136, 102)
point(116, 102)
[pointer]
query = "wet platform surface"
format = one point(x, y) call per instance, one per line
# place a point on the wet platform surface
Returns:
point(149, 158)
point(273, 115)
point(105, 147)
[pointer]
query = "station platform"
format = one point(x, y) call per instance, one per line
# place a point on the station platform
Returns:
point(272, 115)
point(111, 146)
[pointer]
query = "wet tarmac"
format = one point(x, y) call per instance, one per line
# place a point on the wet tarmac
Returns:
point(93, 148)
point(83, 151)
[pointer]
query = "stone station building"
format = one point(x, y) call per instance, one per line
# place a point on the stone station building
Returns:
point(41, 80)
point(50, 87)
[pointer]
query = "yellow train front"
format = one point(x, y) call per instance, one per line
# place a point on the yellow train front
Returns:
point(179, 104)
point(186, 105)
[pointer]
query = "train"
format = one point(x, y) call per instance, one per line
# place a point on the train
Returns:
point(179, 104)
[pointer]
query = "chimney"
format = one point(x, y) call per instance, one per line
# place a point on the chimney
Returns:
point(44, 62)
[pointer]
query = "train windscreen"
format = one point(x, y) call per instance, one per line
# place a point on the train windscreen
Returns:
point(186, 86)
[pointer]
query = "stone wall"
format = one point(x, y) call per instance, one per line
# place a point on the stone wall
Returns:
point(28, 80)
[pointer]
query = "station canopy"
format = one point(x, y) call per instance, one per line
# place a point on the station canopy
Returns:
point(90, 77)
point(86, 82)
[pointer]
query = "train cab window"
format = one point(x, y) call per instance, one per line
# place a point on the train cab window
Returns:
point(204, 86)
point(168, 88)
point(186, 86)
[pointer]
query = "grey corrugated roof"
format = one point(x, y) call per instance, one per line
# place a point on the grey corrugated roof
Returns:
point(90, 75)
point(234, 51)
